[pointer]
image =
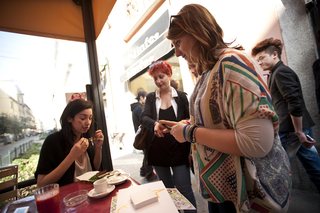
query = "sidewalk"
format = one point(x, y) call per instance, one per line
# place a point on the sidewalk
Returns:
point(129, 160)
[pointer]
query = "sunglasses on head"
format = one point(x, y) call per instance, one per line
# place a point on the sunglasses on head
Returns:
point(171, 17)
point(159, 62)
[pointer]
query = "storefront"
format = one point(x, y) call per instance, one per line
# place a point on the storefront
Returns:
point(149, 47)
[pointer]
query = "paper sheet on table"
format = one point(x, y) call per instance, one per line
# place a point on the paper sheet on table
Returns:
point(86, 176)
point(164, 204)
point(178, 199)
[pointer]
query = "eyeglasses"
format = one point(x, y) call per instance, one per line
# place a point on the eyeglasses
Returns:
point(159, 62)
point(171, 17)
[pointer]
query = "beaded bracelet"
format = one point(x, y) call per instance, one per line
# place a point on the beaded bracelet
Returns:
point(188, 132)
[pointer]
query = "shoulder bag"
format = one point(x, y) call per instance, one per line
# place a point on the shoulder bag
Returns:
point(141, 137)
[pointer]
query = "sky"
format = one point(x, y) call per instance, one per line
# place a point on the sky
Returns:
point(29, 62)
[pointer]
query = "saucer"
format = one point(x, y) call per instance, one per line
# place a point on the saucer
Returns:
point(93, 193)
point(116, 180)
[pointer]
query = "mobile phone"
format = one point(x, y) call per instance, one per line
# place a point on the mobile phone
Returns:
point(166, 126)
point(309, 138)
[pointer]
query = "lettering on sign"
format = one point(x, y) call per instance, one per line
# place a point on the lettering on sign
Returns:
point(147, 42)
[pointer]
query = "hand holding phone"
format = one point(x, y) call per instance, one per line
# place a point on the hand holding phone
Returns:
point(309, 143)
point(166, 126)
point(309, 138)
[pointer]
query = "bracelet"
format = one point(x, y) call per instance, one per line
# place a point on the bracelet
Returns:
point(189, 132)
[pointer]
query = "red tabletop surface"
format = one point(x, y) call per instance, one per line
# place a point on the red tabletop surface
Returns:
point(94, 205)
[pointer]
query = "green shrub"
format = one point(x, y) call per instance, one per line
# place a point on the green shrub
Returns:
point(43, 136)
point(27, 162)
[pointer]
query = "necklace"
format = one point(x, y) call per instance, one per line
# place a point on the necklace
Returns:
point(207, 150)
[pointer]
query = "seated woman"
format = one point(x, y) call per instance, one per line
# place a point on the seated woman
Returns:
point(67, 154)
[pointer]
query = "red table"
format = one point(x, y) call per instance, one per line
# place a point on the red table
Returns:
point(90, 205)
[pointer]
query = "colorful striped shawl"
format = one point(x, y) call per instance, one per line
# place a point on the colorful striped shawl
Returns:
point(231, 92)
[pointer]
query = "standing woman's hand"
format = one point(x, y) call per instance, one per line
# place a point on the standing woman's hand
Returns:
point(176, 129)
point(98, 138)
point(79, 148)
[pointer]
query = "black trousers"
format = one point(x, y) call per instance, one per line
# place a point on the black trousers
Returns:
point(145, 169)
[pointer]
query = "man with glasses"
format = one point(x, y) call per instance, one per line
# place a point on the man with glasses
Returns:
point(295, 121)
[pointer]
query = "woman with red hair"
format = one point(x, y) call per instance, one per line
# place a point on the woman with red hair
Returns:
point(165, 153)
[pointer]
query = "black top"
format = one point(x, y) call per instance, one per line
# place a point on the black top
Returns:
point(166, 151)
point(287, 98)
point(149, 116)
point(53, 153)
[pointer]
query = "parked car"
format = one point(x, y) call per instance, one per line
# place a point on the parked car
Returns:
point(6, 139)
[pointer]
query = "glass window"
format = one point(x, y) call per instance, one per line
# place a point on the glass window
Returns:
point(145, 81)
point(38, 76)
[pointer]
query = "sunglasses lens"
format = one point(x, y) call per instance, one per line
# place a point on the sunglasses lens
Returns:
point(171, 17)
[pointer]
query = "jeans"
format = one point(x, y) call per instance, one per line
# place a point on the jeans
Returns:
point(308, 157)
point(181, 179)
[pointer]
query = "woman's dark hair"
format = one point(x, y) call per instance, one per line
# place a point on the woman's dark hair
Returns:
point(197, 21)
point(73, 108)
point(141, 93)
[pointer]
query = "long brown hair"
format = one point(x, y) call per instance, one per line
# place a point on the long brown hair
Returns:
point(197, 21)
point(73, 108)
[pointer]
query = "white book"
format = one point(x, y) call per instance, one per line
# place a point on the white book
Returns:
point(164, 203)
point(143, 198)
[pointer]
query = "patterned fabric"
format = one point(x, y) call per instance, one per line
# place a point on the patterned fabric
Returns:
point(231, 92)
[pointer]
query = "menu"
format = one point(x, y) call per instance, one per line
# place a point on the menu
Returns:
point(164, 204)
point(179, 201)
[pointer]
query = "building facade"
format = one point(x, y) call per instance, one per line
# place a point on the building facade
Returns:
point(12, 104)
point(134, 36)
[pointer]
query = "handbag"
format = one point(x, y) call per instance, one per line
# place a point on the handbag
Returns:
point(141, 137)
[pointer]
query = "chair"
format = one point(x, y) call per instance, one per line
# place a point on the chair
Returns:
point(9, 182)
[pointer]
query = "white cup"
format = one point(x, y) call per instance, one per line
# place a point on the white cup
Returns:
point(101, 185)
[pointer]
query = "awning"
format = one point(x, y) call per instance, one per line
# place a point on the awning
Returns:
point(75, 20)
point(60, 19)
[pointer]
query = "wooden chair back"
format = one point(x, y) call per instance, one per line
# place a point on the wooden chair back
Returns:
point(11, 182)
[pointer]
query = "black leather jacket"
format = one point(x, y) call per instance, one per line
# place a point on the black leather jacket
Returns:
point(287, 98)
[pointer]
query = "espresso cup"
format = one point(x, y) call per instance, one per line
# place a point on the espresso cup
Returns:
point(100, 186)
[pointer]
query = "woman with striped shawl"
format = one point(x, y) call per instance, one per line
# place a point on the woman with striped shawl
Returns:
point(239, 162)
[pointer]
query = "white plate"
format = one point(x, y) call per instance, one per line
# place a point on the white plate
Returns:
point(86, 176)
point(93, 193)
point(117, 180)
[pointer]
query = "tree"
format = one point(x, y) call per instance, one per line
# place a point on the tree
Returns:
point(10, 125)
point(4, 121)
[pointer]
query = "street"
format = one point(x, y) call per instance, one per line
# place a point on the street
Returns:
point(5, 148)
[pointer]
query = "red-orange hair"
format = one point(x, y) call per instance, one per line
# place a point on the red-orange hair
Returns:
point(161, 66)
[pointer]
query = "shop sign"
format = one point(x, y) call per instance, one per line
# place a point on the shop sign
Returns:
point(142, 53)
